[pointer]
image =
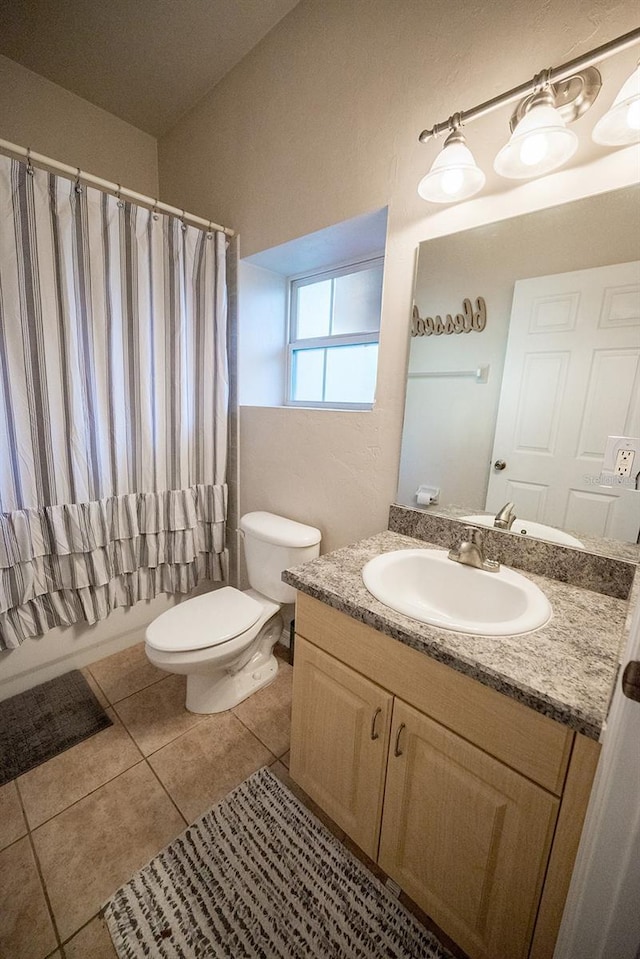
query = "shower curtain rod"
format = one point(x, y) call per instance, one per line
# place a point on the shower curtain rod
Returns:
point(77, 173)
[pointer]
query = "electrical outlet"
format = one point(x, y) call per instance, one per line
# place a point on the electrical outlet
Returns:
point(624, 462)
point(620, 455)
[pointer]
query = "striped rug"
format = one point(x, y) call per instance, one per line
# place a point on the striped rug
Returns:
point(259, 876)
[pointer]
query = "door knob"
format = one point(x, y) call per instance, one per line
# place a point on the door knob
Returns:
point(631, 680)
point(499, 465)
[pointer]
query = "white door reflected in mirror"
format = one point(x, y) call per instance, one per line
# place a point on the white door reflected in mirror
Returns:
point(571, 374)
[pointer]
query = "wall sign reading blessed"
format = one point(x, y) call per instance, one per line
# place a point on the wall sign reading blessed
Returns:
point(464, 322)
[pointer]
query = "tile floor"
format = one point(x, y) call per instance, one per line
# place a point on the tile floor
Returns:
point(76, 828)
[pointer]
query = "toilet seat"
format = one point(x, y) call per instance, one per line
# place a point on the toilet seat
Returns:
point(204, 621)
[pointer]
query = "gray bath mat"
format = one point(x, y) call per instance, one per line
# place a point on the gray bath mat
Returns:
point(259, 876)
point(44, 721)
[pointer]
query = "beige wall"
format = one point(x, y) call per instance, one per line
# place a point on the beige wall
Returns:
point(319, 123)
point(39, 114)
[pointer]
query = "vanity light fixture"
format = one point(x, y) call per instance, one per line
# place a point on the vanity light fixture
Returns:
point(540, 141)
point(454, 174)
point(621, 123)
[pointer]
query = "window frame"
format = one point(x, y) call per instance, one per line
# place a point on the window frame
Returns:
point(366, 337)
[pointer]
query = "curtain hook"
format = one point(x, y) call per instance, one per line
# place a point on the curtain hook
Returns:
point(154, 211)
point(119, 198)
point(184, 225)
point(210, 230)
point(30, 169)
point(78, 186)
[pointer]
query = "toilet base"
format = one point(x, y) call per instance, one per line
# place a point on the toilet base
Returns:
point(216, 694)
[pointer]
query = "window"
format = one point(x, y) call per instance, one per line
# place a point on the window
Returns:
point(333, 340)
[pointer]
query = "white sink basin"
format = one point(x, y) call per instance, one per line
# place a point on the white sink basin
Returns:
point(428, 586)
point(528, 527)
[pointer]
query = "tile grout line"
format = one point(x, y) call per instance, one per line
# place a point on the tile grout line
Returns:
point(88, 668)
point(156, 682)
point(185, 732)
point(86, 795)
point(145, 759)
point(60, 942)
point(205, 717)
point(14, 841)
point(135, 692)
point(91, 791)
point(43, 885)
point(84, 925)
point(256, 737)
point(121, 721)
point(174, 803)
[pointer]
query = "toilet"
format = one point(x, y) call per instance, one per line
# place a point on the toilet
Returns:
point(223, 641)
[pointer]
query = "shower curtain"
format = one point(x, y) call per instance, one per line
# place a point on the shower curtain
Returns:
point(113, 403)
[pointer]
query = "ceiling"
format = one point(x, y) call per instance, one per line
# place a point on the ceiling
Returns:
point(145, 61)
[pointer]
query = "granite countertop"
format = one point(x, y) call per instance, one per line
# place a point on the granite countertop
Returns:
point(564, 670)
point(613, 548)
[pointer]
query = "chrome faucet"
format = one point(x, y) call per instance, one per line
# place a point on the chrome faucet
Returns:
point(505, 517)
point(470, 552)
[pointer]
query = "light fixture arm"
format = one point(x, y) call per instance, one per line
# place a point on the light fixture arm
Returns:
point(545, 78)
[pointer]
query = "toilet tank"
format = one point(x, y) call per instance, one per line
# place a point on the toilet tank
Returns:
point(271, 544)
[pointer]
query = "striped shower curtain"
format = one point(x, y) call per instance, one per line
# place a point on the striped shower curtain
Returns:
point(113, 403)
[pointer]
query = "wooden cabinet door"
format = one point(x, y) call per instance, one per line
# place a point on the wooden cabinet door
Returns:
point(465, 836)
point(339, 741)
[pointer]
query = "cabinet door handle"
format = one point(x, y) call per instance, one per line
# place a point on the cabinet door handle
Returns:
point(397, 751)
point(374, 734)
point(631, 680)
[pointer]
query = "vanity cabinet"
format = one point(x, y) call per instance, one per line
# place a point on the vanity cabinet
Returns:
point(342, 737)
point(470, 801)
point(465, 836)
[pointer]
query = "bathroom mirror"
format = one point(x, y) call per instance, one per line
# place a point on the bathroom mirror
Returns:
point(464, 418)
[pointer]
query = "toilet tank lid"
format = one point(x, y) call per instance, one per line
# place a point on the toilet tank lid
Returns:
point(279, 530)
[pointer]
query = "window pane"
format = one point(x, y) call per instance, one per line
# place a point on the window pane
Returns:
point(357, 301)
point(314, 310)
point(351, 374)
point(307, 375)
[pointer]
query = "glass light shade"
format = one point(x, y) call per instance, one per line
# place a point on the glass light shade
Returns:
point(621, 123)
point(540, 143)
point(454, 175)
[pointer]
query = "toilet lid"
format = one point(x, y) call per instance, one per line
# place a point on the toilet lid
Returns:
point(203, 621)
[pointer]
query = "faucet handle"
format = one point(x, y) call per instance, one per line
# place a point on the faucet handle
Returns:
point(471, 536)
point(470, 551)
point(505, 517)
point(474, 535)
